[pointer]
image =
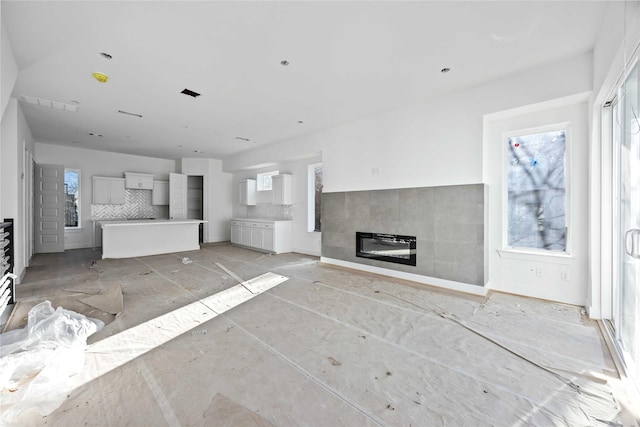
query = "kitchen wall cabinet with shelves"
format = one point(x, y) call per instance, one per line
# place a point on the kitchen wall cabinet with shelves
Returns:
point(248, 192)
point(282, 186)
point(264, 235)
point(108, 191)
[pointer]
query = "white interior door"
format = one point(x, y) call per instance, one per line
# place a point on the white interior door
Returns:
point(626, 290)
point(177, 196)
point(49, 208)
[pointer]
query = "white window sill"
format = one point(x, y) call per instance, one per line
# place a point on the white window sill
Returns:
point(527, 255)
point(73, 230)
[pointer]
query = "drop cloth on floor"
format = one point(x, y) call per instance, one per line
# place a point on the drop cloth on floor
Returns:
point(332, 347)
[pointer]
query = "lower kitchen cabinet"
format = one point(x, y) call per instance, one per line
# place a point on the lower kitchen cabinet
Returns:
point(264, 235)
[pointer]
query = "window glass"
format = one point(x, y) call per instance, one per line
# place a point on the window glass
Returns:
point(71, 198)
point(536, 191)
point(315, 197)
point(263, 180)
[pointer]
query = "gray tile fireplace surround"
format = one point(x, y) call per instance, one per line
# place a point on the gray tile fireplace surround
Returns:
point(449, 223)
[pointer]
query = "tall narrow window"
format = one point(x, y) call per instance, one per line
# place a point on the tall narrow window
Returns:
point(315, 197)
point(71, 198)
point(536, 191)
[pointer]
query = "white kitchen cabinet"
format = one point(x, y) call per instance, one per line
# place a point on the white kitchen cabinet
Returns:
point(282, 186)
point(138, 181)
point(264, 235)
point(108, 191)
point(160, 193)
point(236, 233)
point(248, 192)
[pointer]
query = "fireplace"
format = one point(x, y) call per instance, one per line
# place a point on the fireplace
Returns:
point(386, 247)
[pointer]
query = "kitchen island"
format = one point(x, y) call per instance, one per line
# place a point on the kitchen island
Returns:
point(134, 238)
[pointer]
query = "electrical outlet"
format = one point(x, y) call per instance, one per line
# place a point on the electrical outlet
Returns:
point(538, 272)
point(564, 275)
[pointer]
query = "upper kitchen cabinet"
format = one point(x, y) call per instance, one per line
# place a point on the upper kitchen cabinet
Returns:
point(248, 192)
point(160, 193)
point(282, 186)
point(138, 181)
point(108, 191)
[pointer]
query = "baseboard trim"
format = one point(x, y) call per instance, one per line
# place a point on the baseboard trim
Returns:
point(427, 280)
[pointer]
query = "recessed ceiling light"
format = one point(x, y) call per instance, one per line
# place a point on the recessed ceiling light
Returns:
point(445, 70)
point(190, 93)
point(300, 121)
point(284, 62)
point(106, 55)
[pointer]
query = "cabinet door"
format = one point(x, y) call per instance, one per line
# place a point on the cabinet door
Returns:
point(282, 186)
point(160, 193)
point(236, 234)
point(116, 191)
point(267, 239)
point(256, 237)
point(177, 196)
point(101, 191)
point(246, 236)
point(248, 192)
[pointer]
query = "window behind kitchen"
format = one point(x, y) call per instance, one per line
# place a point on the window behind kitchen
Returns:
point(263, 180)
point(71, 198)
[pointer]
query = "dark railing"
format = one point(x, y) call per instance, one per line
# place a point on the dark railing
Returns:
point(7, 281)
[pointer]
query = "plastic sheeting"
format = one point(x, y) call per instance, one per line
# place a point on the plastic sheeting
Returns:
point(37, 361)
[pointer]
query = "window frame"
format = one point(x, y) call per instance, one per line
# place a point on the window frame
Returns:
point(506, 248)
point(311, 198)
point(78, 198)
point(259, 180)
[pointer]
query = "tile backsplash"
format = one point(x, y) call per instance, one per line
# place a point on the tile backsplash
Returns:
point(137, 205)
point(269, 211)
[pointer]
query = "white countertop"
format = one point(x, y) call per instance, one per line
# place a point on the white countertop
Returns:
point(109, 223)
point(260, 220)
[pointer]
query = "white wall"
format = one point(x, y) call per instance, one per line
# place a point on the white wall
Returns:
point(438, 142)
point(217, 196)
point(539, 275)
point(16, 142)
point(8, 68)
point(90, 163)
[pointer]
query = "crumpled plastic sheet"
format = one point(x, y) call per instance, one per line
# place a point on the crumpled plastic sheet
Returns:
point(37, 361)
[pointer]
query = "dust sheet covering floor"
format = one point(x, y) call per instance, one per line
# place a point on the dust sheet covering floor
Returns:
point(327, 347)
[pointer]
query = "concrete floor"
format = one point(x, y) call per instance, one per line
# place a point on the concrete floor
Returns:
point(328, 347)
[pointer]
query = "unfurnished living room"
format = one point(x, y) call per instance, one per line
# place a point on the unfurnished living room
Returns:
point(320, 213)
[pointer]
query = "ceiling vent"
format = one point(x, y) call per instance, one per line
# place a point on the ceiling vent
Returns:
point(190, 93)
point(50, 104)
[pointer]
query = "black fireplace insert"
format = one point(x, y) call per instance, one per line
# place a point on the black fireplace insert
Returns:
point(386, 247)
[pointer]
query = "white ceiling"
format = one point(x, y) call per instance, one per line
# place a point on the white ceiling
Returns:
point(347, 60)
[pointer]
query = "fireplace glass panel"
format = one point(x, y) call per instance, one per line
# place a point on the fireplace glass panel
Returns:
point(386, 247)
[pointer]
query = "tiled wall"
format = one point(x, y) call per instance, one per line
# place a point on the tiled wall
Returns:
point(269, 211)
point(449, 223)
point(137, 205)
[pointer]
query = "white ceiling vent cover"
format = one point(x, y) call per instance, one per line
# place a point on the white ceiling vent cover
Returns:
point(50, 104)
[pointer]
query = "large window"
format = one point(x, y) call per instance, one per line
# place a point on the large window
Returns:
point(315, 197)
point(71, 198)
point(263, 180)
point(536, 199)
